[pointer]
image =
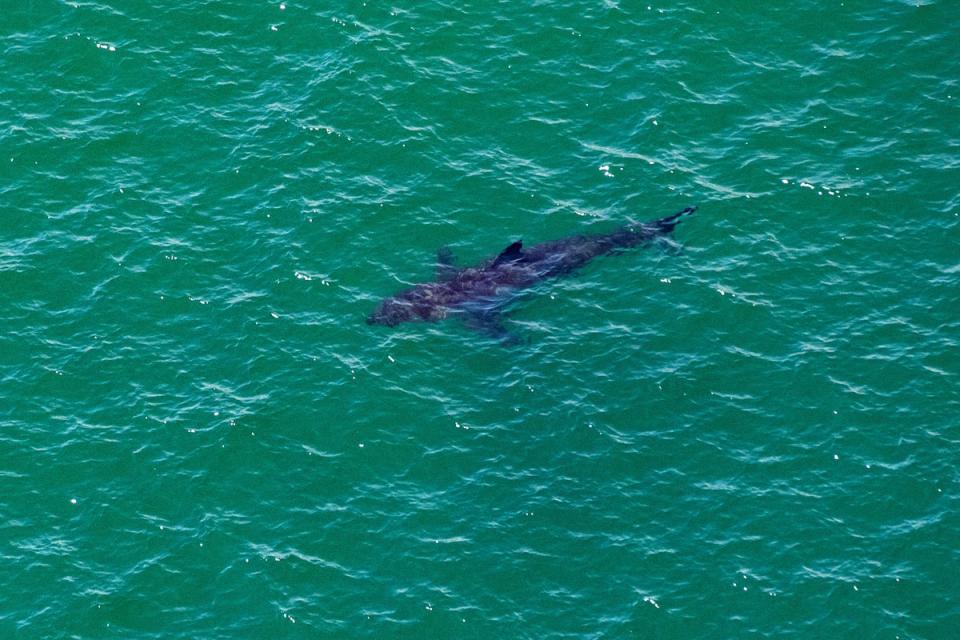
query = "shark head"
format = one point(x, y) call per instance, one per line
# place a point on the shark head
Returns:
point(392, 312)
point(422, 303)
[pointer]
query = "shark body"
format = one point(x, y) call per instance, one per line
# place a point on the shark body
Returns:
point(479, 293)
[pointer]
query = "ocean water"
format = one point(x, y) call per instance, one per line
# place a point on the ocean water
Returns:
point(752, 433)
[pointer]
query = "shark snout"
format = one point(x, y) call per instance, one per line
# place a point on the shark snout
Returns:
point(388, 314)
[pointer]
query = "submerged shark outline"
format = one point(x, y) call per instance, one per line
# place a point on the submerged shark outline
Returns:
point(479, 293)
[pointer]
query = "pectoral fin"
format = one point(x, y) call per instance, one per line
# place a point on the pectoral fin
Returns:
point(445, 263)
point(490, 324)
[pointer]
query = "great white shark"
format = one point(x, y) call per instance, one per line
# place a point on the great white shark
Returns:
point(479, 294)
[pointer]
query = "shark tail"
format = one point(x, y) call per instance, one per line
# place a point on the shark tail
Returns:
point(666, 225)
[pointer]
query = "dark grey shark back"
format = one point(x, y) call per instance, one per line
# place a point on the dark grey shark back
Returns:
point(478, 293)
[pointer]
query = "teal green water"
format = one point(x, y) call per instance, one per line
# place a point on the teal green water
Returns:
point(752, 435)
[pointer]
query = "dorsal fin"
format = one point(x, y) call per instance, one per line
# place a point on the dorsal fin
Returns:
point(512, 252)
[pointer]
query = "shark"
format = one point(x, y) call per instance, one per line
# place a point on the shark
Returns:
point(479, 294)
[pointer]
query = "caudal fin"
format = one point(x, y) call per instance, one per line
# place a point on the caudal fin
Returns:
point(666, 225)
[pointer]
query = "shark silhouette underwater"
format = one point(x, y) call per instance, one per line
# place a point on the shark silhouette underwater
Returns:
point(480, 293)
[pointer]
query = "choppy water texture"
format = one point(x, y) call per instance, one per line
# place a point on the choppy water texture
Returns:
point(752, 435)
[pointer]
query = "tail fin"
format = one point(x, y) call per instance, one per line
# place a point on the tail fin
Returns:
point(666, 225)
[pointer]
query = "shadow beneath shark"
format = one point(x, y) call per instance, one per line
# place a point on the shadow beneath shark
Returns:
point(479, 294)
